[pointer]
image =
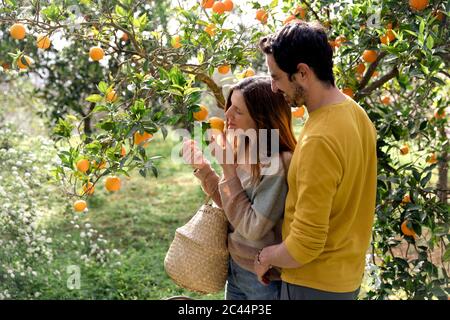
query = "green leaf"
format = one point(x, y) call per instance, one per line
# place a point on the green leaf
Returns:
point(426, 179)
point(100, 108)
point(102, 87)
point(120, 11)
point(94, 98)
point(446, 256)
point(430, 42)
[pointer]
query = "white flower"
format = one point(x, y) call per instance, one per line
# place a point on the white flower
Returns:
point(82, 234)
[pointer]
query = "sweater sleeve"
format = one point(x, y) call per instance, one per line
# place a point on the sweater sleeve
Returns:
point(209, 180)
point(317, 179)
point(253, 219)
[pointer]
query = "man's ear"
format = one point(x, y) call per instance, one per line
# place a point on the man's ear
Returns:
point(303, 70)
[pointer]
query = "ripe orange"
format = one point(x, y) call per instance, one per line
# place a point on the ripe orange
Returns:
point(176, 42)
point(229, 5)
point(406, 199)
point(249, 72)
point(139, 138)
point(369, 56)
point(43, 42)
point(218, 7)
point(432, 159)
point(349, 92)
point(89, 188)
point(202, 114)
point(439, 114)
point(17, 31)
point(101, 165)
point(83, 165)
point(418, 5)
point(124, 36)
point(112, 183)
point(96, 53)
point(375, 74)
point(407, 231)
point(216, 123)
point(388, 37)
point(290, 19)
point(262, 16)
point(360, 68)
point(211, 29)
point(111, 96)
point(386, 100)
point(24, 61)
point(207, 4)
point(223, 69)
point(404, 149)
point(332, 44)
point(298, 112)
point(80, 205)
point(340, 40)
point(300, 11)
point(123, 152)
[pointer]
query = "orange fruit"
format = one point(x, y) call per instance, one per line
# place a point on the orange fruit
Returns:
point(112, 183)
point(262, 16)
point(24, 61)
point(17, 31)
point(201, 114)
point(124, 36)
point(6, 66)
point(218, 7)
point(207, 4)
point(375, 74)
point(43, 42)
point(101, 165)
point(407, 231)
point(89, 188)
point(349, 92)
point(369, 56)
point(404, 149)
point(340, 40)
point(80, 205)
point(298, 112)
point(406, 199)
point(111, 96)
point(211, 29)
point(83, 165)
point(439, 114)
point(229, 5)
point(386, 100)
point(290, 19)
point(360, 68)
point(300, 11)
point(216, 123)
point(388, 37)
point(249, 72)
point(123, 151)
point(418, 5)
point(439, 15)
point(432, 159)
point(176, 42)
point(96, 53)
point(223, 69)
point(332, 44)
point(140, 138)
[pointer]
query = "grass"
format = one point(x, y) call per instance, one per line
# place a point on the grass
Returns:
point(140, 221)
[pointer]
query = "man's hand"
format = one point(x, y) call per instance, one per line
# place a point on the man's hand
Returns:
point(261, 270)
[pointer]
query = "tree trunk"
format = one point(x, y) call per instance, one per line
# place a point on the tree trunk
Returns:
point(443, 171)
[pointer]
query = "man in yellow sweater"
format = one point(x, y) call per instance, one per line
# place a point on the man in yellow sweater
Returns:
point(332, 178)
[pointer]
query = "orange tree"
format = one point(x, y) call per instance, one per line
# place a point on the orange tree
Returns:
point(390, 56)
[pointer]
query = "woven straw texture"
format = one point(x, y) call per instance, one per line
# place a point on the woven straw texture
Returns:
point(198, 256)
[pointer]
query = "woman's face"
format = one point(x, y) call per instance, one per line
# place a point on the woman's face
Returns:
point(237, 114)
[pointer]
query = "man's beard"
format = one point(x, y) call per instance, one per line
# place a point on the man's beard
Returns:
point(298, 99)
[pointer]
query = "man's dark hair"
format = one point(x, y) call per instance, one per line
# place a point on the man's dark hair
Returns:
point(301, 42)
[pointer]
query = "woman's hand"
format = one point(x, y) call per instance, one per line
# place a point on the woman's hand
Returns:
point(224, 153)
point(193, 155)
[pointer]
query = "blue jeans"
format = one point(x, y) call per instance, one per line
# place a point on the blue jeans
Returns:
point(244, 285)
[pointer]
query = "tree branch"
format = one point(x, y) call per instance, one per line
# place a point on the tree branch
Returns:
point(370, 71)
point(391, 74)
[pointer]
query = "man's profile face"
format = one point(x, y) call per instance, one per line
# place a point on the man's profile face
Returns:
point(293, 92)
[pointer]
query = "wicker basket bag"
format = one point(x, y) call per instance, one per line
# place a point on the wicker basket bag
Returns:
point(198, 256)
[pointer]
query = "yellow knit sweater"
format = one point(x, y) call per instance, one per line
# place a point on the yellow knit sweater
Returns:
point(331, 200)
